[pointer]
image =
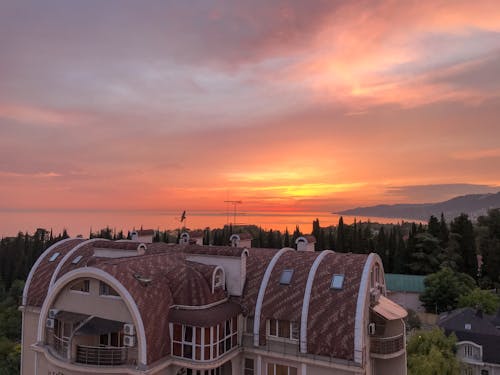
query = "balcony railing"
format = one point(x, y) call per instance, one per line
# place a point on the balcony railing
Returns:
point(60, 346)
point(387, 345)
point(101, 356)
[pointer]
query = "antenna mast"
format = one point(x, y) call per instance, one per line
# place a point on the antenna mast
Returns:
point(234, 203)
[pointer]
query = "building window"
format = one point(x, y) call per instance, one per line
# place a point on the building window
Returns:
point(204, 343)
point(485, 372)
point(54, 257)
point(275, 369)
point(106, 290)
point(188, 371)
point(114, 339)
point(286, 277)
point(81, 286)
point(77, 259)
point(249, 368)
point(337, 282)
point(284, 328)
point(468, 351)
point(467, 370)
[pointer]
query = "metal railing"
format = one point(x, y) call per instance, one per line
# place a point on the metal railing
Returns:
point(101, 356)
point(60, 346)
point(387, 345)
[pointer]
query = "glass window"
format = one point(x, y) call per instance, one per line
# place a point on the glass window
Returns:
point(249, 366)
point(204, 343)
point(54, 257)
point(337, 281)
point(284, 328)
point(77, 259)
point(81, 286)
point(275, 369)
point(286, 277)
point(106, 290)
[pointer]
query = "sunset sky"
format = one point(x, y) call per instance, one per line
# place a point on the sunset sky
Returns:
point(297, 105)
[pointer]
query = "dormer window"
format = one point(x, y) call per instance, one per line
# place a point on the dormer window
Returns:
point(77, 259)
point(337, 281)
point(286, 277)
point(54, 257)
point(218, 279)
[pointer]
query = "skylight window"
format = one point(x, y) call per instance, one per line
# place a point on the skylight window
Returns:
point(77, 259)
point(286, 277)
point(54, 257)
point(337, 282)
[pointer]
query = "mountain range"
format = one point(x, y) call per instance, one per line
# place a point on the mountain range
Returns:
point(472, 204)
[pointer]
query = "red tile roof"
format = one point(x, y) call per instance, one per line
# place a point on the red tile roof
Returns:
point(177, 281)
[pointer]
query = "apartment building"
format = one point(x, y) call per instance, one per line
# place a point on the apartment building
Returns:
point(128, 307)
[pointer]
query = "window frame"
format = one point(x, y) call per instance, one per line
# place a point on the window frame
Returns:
point(104, 291)
point(223, 339)
point(274, 329)
point(86, 286)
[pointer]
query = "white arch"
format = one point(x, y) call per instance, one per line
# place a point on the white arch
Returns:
point(112, 281)
point(216, 269)
point(262, 291)
point(364, 288)
point(307, 298)
point(68, 255)
point(35, 266)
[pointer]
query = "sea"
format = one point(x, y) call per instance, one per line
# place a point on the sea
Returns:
point(82, 222)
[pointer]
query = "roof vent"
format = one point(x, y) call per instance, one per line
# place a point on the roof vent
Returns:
point(468, 326)
point(286, 277)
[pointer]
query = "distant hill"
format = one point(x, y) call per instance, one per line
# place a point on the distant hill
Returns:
point(473, 204)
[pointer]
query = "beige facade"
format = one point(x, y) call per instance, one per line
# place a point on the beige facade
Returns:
point(99, 316)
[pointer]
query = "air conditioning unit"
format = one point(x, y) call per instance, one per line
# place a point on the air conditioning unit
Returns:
point(371, 329)
point(129, 341)
point(53, 313)
point(49, 323)
point(129, 329)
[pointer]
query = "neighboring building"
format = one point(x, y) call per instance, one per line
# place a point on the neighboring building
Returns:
point(478, 344)
point(405, 290)
point(104, 307)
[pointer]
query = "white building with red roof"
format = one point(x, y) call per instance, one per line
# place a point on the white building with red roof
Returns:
point(126, 307)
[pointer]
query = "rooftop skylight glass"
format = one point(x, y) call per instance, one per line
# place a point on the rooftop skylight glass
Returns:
point(77, 259)
point(337, 282)
point(54, 257)
point(286, 277)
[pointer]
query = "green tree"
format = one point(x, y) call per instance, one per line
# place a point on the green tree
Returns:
point(480, 299)
point(425, 256)
point(10, 357)
point(340, 242)
point(433, 226)
point(444, 288)
point(463, 229)
point(432, 353)
point(489, 246)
